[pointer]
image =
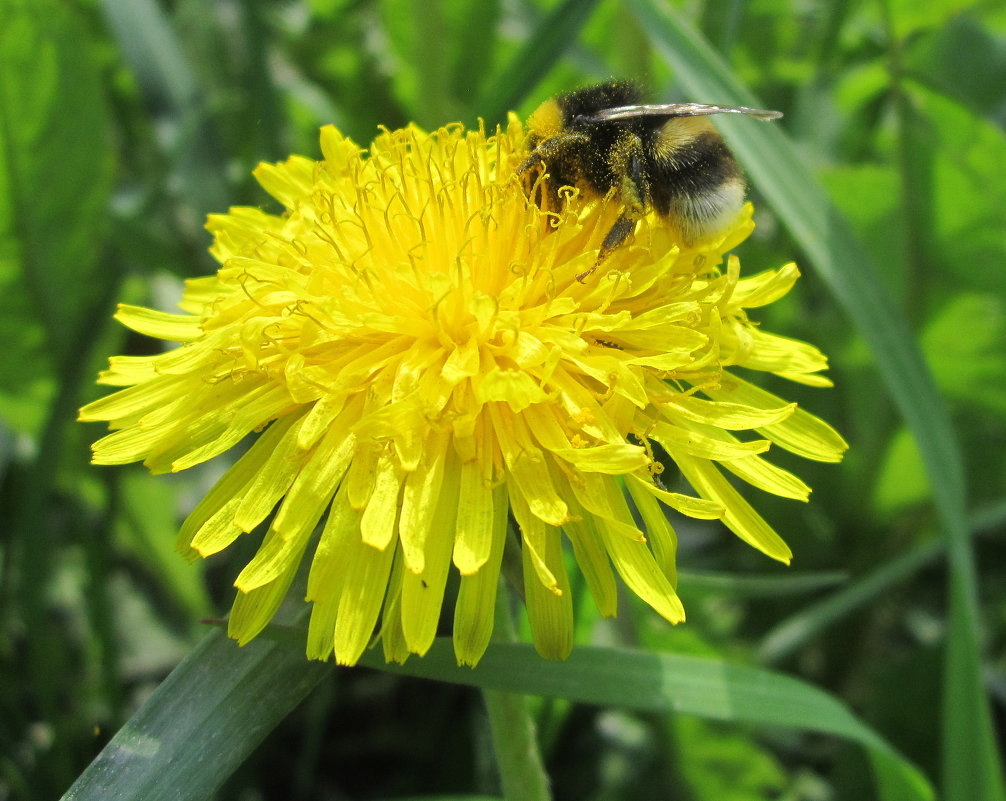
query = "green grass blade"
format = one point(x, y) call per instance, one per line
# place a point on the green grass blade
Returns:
point(793, 632)
point(155, 54)
point(431, 63)
point(55, 168)
point(971, 764)
point(476, 47)
point(446, 798)
point(201, 723)
point(556, 32)
point(709, 688)
point(766, 586)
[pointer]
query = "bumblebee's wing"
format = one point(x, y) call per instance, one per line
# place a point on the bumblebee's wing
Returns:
point(679, 110)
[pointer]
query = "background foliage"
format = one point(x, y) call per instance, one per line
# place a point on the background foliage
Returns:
point(124, 122)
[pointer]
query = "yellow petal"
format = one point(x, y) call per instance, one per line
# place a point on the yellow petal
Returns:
point(300, 511)
point(228, 492)
point(715, 445)
point(162, 325)
point(614, 460)
point(419, 502)
point(592, 559)
point(663, 538)
point(393, 642)
point(549, 609)
point(423, 593)
point(133, 402)
point(253, 610)
point(765, 287)
point(699, 508)
point(636, 565)
point(766, 476)
point(475, 516)
point(528, 469)
point(361, 600)
point(731, 416)
point(595, 493)
point(532, 533)
point(378, 523)
point(781, 355)
point(739, 517)
point(474, 610)
point(290, 182)
point(802, 433)
point(338, 539)
point(319, 418)
point(514, 387)
point(271, 484)
point(255, 411)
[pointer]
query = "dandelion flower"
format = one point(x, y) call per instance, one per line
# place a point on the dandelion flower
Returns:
point(410, 344)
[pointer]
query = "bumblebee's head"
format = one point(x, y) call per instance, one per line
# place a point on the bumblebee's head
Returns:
point(546, 122)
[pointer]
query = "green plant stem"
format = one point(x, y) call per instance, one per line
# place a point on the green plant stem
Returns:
point(514, 734)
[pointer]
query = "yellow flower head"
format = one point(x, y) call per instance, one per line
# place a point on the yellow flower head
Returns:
point(411, 345)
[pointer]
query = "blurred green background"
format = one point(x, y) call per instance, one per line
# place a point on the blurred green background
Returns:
point(124, 122)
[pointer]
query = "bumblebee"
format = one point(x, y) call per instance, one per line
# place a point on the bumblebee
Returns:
point(667, 159)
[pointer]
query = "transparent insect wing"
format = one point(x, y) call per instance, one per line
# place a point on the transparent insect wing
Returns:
point(680, 110)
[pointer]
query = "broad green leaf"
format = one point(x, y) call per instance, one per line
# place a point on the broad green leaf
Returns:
point(707, 688)
point(222, 700)
point(55, 179)
point(970, 368)
point(963, 59)
point(148, 525)
point(201, 723)
point(725, 764)
point(910, 17)
point(901, 479)
point(971, 762)
point(966, 229)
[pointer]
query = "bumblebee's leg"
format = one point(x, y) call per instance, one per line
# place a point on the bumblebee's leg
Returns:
point(554, 154)
point(627, 159)
point(552, 149)
point(616, 236)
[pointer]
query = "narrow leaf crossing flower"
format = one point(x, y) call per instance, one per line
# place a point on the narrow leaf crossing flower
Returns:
point(410, 346)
